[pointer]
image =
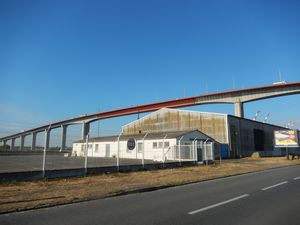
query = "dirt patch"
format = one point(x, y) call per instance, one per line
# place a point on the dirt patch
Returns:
point(28, 195)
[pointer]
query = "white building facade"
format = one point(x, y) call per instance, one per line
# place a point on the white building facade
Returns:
point(162, 147)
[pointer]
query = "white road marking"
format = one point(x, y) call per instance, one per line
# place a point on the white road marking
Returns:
point(275, 185)
point(296, 178)
point(218, 204)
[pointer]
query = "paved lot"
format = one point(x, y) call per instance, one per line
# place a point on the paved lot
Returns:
point(34, 162)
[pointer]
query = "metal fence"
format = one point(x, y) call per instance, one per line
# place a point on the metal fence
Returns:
point(92, 156)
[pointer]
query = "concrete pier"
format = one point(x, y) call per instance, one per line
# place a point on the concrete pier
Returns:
point(22, 140)
point(47, 144)
point(63, 137)
point(12, 146)
point(33, 141)
point(85, 130)
point(4, 144)
point(239, 109)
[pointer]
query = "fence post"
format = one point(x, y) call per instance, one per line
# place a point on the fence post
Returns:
point(44, 153)
point(164, 150)
point(143, 152)
point(212, 153)
point(86, 153)
point(45, 149)
point(194, 150)
point(118, 152)
point(205, 150)
point(180, 150)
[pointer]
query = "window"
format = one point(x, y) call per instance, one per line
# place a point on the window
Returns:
point(160, 144)
point(96, 148)
point(154, 145)
point(83, 147)
point(140, 147)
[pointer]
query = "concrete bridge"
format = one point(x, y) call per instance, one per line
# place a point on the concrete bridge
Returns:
point(235, 97)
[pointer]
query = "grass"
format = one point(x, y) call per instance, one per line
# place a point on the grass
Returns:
point(18, 196)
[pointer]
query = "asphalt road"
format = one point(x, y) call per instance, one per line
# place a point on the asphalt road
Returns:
point(269, 197)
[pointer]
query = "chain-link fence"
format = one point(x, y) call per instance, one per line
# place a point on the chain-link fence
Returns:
point(114, 155)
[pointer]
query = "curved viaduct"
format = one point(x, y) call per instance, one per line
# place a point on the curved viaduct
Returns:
point(236, 97)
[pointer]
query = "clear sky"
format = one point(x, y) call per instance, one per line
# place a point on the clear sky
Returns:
point(60, 59)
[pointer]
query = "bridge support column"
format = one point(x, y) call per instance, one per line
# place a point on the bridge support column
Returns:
point(63, 137)
point(47, 144)
point(85, 130)
point(12, 146)
point(22, 140)
point(239, 109)
point(4, 144)
point(33, 141)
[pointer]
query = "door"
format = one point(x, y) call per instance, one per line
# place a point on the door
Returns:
point(139, 150)
point(259, 139)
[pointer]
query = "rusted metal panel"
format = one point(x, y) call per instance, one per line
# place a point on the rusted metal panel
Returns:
point(167, 120)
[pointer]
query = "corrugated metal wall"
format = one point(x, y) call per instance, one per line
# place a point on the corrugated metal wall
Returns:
point(247, 136)
point(166, 120)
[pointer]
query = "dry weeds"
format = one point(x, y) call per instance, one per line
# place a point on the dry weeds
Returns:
point(28, 195)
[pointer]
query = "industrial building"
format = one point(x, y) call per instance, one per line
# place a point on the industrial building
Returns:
point(238, 136)
point(163, 129)
point(159, 146)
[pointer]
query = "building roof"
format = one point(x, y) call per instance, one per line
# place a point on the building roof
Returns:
point(149, 136)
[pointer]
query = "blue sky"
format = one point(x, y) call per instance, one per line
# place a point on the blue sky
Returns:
point(60, 59)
